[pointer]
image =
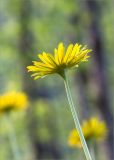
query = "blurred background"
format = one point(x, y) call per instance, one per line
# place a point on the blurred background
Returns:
point(29, 27)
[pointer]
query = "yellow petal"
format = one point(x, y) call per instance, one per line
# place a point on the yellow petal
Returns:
point(32, 68)
point(68, 53)
point(56, 56)
point(60, 52)
point(42, 65)
point(76, 49)
point(46, 60)
point(51, 59)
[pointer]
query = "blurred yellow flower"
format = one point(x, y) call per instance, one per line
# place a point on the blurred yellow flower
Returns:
point(93, 129)
point(60, 61)
point(13, 101)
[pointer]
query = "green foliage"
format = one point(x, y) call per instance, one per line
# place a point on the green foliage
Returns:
point(29, 27)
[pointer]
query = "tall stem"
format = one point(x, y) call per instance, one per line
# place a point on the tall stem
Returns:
point(92, 151)
point(76, 121)
point(12, 138)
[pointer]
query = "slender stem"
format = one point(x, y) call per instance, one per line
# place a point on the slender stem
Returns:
point(92, 151)
point(12, 138)
point(91, 144)
point(76, 121)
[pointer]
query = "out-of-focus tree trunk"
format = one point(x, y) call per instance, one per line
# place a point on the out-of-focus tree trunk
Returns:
point(25, 46)
point(94, 9)
point(30, 87)
point(102, 101)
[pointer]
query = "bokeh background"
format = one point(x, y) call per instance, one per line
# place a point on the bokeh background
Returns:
point(29, 27)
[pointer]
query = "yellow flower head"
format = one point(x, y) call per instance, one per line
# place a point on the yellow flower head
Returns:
point(93, 129)
point(60, 61)
point(13, 101)
point(74, 139)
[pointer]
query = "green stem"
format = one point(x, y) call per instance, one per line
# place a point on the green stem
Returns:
point(12, 138)
point(92, 151)
point(76, 121)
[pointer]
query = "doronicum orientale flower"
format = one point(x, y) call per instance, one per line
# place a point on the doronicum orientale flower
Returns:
point(13, 101)
point(93, 129)
point(60, 61)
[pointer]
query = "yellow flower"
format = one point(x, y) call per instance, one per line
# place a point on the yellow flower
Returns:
point(93, 129)
point(74, 139)
point(13, 101)
point(60, 61)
